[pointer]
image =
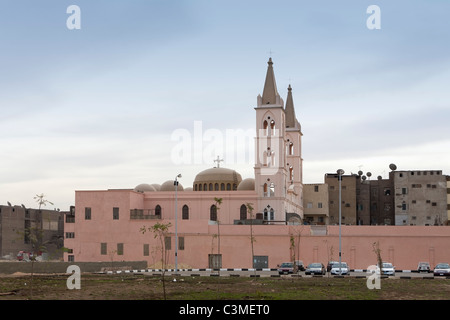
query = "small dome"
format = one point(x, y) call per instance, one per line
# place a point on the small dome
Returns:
point(156, 186)
point(247, 184)
point(169, 186)
point(144, 187)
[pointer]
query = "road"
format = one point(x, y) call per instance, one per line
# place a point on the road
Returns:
point(273, 273)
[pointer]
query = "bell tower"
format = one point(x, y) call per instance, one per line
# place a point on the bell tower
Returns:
point(277, 198)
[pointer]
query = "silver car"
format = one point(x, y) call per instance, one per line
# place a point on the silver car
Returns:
point(339, 268)
point(388, 269)
point(442, 269)
point(316, 268)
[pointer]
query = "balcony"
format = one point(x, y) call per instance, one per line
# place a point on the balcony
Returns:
point(144, 214)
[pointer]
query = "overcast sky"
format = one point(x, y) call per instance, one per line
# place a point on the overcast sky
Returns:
point(100, 107)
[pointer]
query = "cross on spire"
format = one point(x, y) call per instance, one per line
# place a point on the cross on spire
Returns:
point(218, 160)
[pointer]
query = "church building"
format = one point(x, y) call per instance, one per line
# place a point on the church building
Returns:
point(109, 220)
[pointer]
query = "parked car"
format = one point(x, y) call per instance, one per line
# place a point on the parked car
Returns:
point(286, 268)
point(315, 268)
point(442, 269)
point(388, 269)
point(424, 267)
point(330, 265)
point(340, 268)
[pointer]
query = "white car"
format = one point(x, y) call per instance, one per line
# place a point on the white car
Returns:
point(442, 269)
point(339, 269)
point(388, 269)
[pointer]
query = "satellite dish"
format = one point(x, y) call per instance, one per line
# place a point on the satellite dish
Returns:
point(393, 167)
point(9, 203)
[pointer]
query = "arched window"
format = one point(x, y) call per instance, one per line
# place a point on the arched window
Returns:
point(185, 212)
point(291, 173)
point(272, 127)
point(200, 187)
point(210, 187)
point(216, 187)
point(243, 212)
point(272, 214)
point(291, 148)
point(195, 187)
point(158, 211)
point(222, 186)
point(205, 187)
point(265, 126)
point(213, 213)
point(266, 194)
point(272, 189)
point(228, 186)
point(265, 214)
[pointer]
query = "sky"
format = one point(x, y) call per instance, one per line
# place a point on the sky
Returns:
point(145, 90)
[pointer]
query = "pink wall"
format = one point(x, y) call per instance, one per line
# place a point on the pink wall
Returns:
point(404, 246)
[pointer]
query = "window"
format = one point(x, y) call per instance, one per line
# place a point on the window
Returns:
point(158, 210)
point(222, 186)
point(316, 188)
point(185, 212)
point(291, 173)
point(87, 213)
point(243, 212)
point(103, 248)
point(120, 249)
point(404, 206)
point(70, 235)
point(115, 213)
point(216, 187)
point(180, 243)
point(146, 249)
point(291, 148)
point(319, 205)
point(266, 194)
point(213, 213)
point(210, 187)
point(309, 205)
point(71, 258)
point(404, 190)
point(168, 243)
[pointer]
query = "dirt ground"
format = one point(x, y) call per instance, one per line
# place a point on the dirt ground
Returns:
point(146, 287)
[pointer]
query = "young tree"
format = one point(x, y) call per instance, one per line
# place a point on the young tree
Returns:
point(252, 238)
point(377, 251)
point(217, 202)
point(160, 231)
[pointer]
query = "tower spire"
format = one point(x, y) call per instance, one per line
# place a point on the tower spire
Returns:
point(270, 93)
point(291, 120)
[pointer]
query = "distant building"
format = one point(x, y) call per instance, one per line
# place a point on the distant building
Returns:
point(29, 230)
point(316, 207)
point(420, 197)
point(349, 185)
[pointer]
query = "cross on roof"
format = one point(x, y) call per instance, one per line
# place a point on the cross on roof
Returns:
point(218, 160)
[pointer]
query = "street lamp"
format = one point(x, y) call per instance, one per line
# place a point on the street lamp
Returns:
point(340, 172)
point(176, 221)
